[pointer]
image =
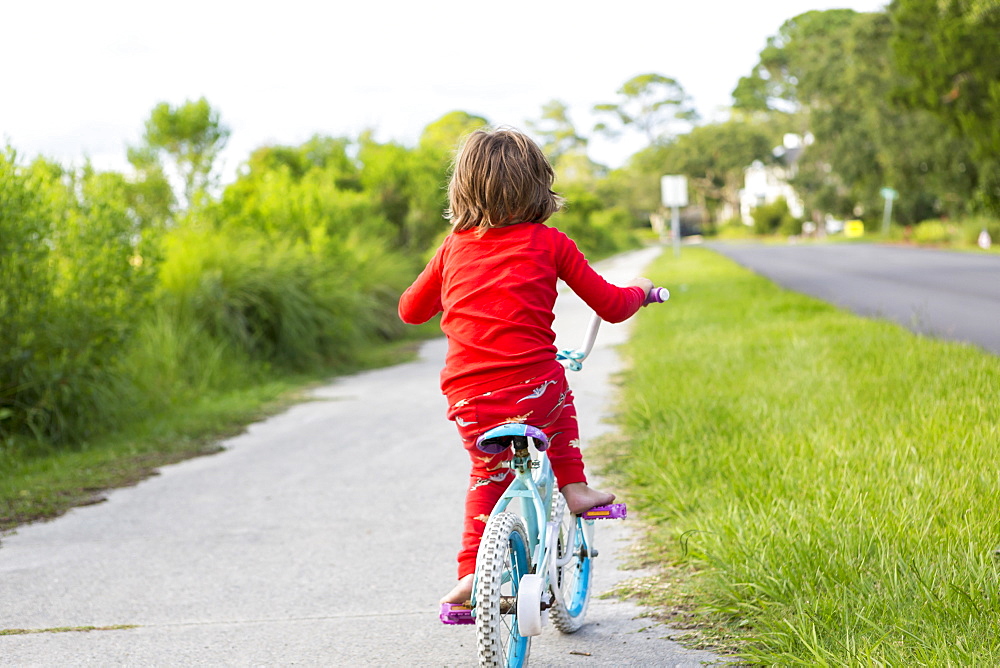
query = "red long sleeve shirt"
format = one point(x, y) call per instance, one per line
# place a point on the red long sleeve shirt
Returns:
point(497, 290)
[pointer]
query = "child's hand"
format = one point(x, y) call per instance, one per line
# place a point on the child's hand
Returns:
point(643, 283)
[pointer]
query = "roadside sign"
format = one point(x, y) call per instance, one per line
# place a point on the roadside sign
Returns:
point(674, 190)
point(889, 195)
point(674, 194)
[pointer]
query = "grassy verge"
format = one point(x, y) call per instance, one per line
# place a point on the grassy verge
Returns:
point(42, 482)
point(821, 488)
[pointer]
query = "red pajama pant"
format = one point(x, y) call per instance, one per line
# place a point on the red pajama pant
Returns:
point(544, 401)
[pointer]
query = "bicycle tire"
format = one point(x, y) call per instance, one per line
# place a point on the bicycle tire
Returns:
point(503, 558)
point(574, 579)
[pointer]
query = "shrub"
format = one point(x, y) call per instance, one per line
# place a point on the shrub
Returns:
point(279, 301)
point(931, 232)
point(734, 228)
point(597, 230)
point(75, 287)
point(775, 218)
point(105, 319)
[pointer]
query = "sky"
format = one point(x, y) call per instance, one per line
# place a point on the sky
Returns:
point(81, 78)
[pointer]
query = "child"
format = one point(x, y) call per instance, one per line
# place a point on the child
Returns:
point(494, 279)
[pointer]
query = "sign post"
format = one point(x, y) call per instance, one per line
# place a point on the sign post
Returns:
point(674, 194)
point(889, 195)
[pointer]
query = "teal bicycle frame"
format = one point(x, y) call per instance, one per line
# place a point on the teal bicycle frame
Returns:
point(533, 487)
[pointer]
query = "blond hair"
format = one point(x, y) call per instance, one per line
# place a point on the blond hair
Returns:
point(500, 178)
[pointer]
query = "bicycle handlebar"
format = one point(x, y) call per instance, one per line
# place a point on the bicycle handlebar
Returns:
point(574, 358)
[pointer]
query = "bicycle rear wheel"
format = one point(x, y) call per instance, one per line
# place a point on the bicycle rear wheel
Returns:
point(502, 561)
point(574, 578)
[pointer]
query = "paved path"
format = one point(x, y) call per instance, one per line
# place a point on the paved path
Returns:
point(320, 537)
point(940, 293)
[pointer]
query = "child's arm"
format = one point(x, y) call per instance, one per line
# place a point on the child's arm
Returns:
point(422, 300)
point(610, 302)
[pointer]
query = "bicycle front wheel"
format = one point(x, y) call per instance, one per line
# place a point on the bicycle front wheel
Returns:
point(573, 578)
point(502, 561)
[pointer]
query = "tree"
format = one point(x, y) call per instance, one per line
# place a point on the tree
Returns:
point(652, 103)
point(192, 135)
point(833, 70)
point(444, 135)
point(149, 192)
point(949, 52)
point(409, 186)
point(713, 157)
point(797, 64)
point(866, 141)
point(320, 152)
point(428, 179)
point(565, 147)
point(557, 133)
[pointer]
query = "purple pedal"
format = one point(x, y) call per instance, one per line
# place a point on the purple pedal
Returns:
point(454, 613)
point(612, 511)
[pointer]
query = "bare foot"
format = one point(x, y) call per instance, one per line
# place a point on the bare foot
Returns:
point(580, 497)
point(462, 593)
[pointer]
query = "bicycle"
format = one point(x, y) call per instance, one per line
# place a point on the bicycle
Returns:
point(536, 560)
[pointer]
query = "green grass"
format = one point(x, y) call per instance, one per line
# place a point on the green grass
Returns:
point(821, 487)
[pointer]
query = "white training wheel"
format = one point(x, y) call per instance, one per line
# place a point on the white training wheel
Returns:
point(529, 605)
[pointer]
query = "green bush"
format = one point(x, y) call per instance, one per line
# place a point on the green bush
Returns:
point(775, 218)
point(597, 230)
point(174, 361)
point(106, 317)
point(734, 228)
point(75, 287)
point(278, 301)
point(931, 232)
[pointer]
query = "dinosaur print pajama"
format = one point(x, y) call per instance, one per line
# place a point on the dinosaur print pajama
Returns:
point(545, 402)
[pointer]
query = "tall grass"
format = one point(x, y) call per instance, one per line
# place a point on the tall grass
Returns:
point(71, 296)
point(105, 316)
point(830, 482)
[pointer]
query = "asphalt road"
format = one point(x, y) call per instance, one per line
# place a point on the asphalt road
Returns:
point(939, 293)
point(323, 536)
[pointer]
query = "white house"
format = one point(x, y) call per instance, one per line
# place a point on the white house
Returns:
point(764, 184)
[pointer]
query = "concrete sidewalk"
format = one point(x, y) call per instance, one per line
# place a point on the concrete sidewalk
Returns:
point(323, 536)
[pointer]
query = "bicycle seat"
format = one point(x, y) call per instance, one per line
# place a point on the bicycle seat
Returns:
point(500, 438)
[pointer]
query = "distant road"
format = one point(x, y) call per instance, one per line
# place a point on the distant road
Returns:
point(944, 294)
